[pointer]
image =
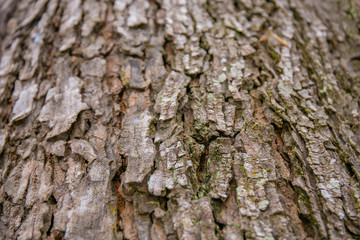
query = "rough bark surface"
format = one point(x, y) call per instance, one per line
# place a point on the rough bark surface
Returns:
point(179, 119)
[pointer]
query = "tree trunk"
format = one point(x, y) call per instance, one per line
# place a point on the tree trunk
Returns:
point(180, 119)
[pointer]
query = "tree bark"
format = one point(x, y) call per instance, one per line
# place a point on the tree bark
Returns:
point(180, 119)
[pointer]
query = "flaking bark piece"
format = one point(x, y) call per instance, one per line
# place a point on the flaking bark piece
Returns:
point(93, 68)
point(137, 145)
point(62, 107)
point(3, 138)
point(94, 14)
point(56, 148)
point(132, 74)
point(174, 89)
point(84, 149)
point(220, 152)
point(23, 105)
point(137, 13)
point(34, 12)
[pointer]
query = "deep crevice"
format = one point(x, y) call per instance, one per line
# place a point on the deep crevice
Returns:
point(120, 201)
point(308, 227)
point(48, 233)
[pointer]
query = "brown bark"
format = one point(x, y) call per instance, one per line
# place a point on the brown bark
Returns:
point(179, 119)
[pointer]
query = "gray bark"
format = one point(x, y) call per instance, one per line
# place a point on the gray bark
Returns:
point(179, 119)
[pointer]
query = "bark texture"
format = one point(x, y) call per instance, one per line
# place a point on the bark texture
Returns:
point(179, 119)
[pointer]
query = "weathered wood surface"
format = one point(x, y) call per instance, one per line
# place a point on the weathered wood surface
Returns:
point(179, 119)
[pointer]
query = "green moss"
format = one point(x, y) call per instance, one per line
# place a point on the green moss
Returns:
point(125, 80)
point(195, 221)
point(201, 194)
point(274, 55)
point(211, 97)
point(216, 156)
point(113, 209)
point(155, 204)
point(215, 206)
point(304, 198)
point(311, 219)
point(204, 189)
point(353, 11)
point(202, 131)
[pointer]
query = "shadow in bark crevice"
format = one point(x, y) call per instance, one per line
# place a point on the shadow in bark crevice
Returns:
point(120, 201)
